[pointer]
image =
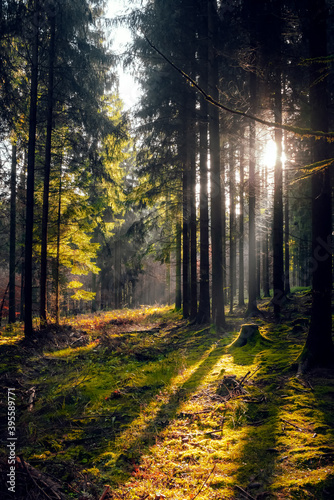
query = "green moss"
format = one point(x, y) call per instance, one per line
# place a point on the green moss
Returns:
point(140, 410)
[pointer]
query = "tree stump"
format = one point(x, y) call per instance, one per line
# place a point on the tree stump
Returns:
point(248, 333)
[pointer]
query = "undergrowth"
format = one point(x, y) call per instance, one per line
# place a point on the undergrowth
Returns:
point(156, 408)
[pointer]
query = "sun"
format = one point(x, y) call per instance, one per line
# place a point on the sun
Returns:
point(269, 154)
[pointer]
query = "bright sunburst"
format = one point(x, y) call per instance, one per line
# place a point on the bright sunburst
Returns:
point(269, 154)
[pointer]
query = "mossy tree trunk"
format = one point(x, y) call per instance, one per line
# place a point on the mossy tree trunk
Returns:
point(248, 333)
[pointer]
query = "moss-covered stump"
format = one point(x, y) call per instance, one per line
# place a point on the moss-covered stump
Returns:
point(249, 333)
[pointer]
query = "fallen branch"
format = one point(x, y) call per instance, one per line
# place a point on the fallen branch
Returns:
point(105, 492)
point(244, 492)
point(293, 425)
point(296, 427)
point(33, 480)
point(206, 480)
point(243, 379)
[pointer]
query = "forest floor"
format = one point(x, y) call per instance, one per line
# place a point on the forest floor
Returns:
point(158, 409)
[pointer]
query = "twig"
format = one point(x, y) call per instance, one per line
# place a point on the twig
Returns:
point(197, 413)
point(253, 400)
point(105, 492)
point(244, 492)
point(223, 420)
point(98, 415)
point(206, 480)
point(204, 432)
point(296, 426)
point(243, 379)
point(252, 374)
point(33, 480)
point(81, 381)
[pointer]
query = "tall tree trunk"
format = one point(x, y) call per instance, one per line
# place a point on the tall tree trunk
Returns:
point(94, 289)
point(57, 272)
point(223, 216)
point(204, 298)
point(22, 238)
point(252, 304)
point(278, 266)
point(265, 240)
point(47, 169)
point(12, 240)
point(178, 273)
point(232, 230)
point(191, 158)
point(218, 312)
point(28, 327)
point(241, 230)
point(258, 264)
point(185, 241)
point(318, 349)
point(286, 237)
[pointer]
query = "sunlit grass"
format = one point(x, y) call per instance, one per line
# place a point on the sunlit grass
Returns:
point(138, 408)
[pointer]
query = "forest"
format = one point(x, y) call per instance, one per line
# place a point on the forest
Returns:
point(166, 268)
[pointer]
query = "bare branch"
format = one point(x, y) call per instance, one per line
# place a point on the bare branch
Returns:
point(302, 132)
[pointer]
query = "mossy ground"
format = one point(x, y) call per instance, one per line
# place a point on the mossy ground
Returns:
point(136, 404)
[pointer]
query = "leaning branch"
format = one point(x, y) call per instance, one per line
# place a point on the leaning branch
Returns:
point(303, 132)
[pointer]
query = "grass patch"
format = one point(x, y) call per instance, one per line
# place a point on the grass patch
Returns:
point(141, 401)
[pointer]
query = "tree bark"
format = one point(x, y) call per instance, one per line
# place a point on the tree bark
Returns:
point(185, 241)
point(28, 327)
point(241, 230)
point(232, 230)
point(252, 303)
point(12, 240)
point(204, 298)
point(178, 274)
point(265, 242)
point(286, 237)
point(191, 159)
point(278, 266)
point(218, 312)
point(318, 349)
point(57, 273)
point(47, 169)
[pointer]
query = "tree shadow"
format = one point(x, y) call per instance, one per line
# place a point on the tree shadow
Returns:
point(169, 409)
point(287, 447)
point(77, 438)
